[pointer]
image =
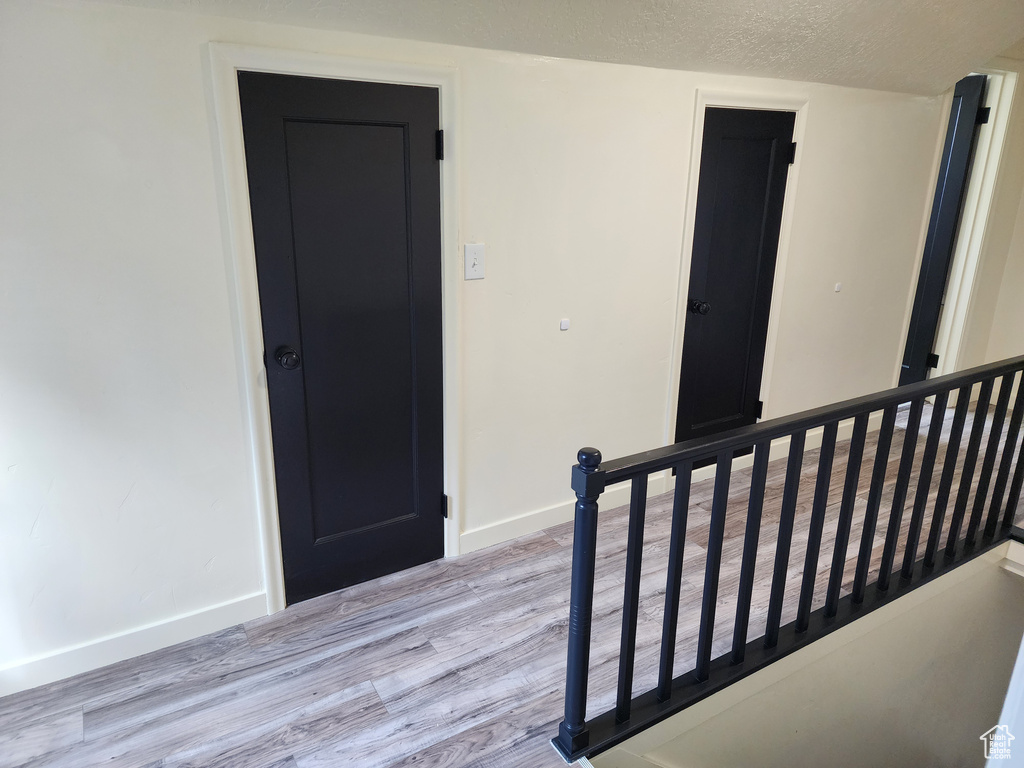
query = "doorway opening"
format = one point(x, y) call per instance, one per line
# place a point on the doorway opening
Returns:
point(225, 62)
point(344, 187)
point(743, 170)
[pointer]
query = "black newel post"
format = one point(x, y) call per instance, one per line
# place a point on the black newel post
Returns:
point(588, 482)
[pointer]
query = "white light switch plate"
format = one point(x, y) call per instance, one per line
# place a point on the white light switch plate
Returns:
point(474, 261)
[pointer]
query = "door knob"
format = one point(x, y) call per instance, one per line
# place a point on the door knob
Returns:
point(699, 307)
point(287, 358)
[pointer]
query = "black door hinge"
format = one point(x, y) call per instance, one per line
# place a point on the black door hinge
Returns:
point(760, 409)
point(983, 115)
point(932, 361)
point(791, 154)
point(439, 145)
point(444, 505)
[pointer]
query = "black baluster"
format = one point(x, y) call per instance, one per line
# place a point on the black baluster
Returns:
point(1006, 463)
point(853, 464)
point(924, 483)
point(677, 543)
point(989, 463)
point(1015, 490)
point(878, 472)
point(822, 484)
point(631, 596)
point(956, 430)
point(785, 540)
point(899, 498)
point(587, 482)
point(970, 460)
point(755, 505)
point(723, 471)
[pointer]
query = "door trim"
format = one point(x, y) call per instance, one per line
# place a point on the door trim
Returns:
point(223, 60)
point(705, 98)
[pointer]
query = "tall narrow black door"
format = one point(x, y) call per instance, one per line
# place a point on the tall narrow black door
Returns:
point(745, 157)
point(344, 189)
point(950, 189)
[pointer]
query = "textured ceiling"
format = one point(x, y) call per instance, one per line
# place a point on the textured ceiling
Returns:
point(919, 46)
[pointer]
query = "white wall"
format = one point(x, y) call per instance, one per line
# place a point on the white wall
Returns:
point(875, 692)
point(127, 487)
point(994, 319)
point(1006, 338)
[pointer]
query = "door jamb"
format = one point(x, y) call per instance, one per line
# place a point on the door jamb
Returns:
point(222, 62)
point(705, 98)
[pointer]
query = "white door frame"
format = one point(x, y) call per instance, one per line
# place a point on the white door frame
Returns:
point(797, 103)
point(224, 61)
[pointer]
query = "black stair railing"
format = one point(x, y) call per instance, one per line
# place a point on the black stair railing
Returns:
point(953, 536)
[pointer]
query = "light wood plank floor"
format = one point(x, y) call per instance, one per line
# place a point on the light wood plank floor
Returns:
point(459, 662)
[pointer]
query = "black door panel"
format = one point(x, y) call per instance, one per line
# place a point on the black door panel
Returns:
point(950, 190)
point(745, 158)
point(344, 189)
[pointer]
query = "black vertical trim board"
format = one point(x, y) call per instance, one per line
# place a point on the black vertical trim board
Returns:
point(950, 189)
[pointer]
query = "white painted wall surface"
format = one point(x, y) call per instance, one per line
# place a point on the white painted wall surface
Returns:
point(127, 487)
point(1006, 337)
point(993, 326)
point(914, 683)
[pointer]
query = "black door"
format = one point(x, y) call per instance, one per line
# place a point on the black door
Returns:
point(344, 189)
point(954, 171)
point(744, 161)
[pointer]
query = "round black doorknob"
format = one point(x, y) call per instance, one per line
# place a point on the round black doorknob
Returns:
point(699, 307)
point(287, 358)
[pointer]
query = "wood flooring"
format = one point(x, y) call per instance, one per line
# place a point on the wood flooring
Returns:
point(459, 662)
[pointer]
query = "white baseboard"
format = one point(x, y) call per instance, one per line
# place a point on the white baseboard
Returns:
point(618, 495)
point(538, 520)
point(73, 660)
